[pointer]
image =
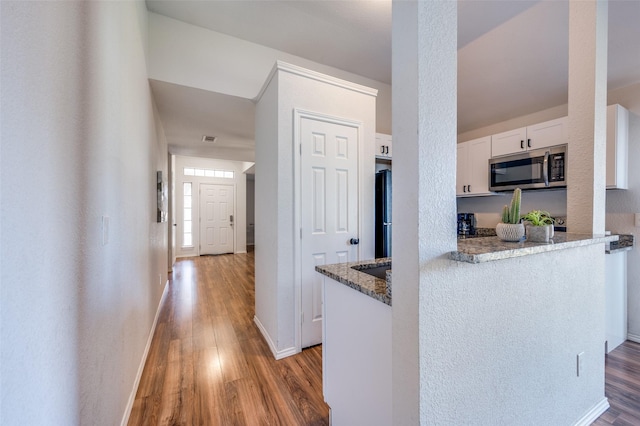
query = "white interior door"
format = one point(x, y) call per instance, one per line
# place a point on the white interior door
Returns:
point(329, 211)
point(216, 218)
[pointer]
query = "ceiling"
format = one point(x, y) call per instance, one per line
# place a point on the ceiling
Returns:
point(512, 58)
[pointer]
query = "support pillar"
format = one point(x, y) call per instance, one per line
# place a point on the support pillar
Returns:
point(588, 24)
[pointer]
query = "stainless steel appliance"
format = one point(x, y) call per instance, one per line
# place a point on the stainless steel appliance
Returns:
point(535, 169)
point(383, 213)
point(466, 224)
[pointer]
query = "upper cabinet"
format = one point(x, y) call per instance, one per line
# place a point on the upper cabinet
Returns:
point(472, 169)
point(383, 146)
point(542, 135)
point(617, 147)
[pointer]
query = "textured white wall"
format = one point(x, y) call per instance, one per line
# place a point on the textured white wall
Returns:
point(184, 54)
point(78, 142)
point(501, 339)
point(294, 91)
point(492, 343)
point(587, 124)
point(424, 138)
point(239, 183)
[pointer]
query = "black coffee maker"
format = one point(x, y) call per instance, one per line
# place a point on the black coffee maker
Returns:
point(466, 224)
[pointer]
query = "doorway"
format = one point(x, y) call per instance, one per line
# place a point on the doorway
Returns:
point(329, 206)
point(217, 209)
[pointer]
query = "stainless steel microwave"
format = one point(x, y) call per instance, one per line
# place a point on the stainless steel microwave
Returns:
point(535, 169)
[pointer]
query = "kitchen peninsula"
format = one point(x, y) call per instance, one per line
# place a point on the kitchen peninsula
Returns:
point(358, 322)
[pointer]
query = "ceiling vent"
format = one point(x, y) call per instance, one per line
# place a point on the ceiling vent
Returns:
point(210, 139)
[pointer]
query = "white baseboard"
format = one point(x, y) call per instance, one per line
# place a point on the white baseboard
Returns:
point(274, 350)
point(136, 383)
point(594, 413)
point(633, 338)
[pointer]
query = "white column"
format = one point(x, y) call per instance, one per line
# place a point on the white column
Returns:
point(587, 115)
point(424, 204)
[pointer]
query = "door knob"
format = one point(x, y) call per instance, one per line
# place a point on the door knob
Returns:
point(354, 241)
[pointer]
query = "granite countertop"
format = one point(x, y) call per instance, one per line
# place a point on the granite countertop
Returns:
point(473, 249)
point(345, 273)
point(625, 242)
point(487, 249)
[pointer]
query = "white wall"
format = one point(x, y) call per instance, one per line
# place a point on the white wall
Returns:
point(491, 343)
point(192, 56)
point(275, 199)
point(79, 141)
point(622, 204)
point(267, 231)
point(239, 184)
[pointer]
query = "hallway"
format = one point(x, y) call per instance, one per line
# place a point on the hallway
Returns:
point(209, 365)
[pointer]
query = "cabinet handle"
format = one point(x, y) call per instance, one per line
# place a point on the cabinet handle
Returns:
point(522, 144)
point(464, 188)
point(469, 188)
point(528, 143)
point(386, 149)
point(381, 149)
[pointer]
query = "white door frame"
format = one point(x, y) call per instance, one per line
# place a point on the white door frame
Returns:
point(298, 115)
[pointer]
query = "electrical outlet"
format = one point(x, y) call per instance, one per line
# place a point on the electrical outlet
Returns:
point(580, 364)
point(637, 220)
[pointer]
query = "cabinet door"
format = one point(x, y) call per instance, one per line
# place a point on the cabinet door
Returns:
point(549, 133)
point(478, 154)
point(617, 147)
point(383, 146)
point(615, 299)
point(462, 168)
point(509, 142)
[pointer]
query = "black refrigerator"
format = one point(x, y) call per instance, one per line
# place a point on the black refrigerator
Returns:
point(383, 213)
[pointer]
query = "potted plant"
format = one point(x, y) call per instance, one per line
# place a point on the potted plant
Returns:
point(510, 229)
point(539, 226)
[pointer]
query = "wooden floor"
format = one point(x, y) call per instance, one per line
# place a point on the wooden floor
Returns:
point(622, 386)
point(208, 363)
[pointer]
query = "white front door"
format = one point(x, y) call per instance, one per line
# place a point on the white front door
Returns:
point(216, 218)
point(329, 211)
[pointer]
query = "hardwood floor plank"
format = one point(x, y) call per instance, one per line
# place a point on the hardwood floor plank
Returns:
point(209, 391)
point(208, 364)
point(622, 386)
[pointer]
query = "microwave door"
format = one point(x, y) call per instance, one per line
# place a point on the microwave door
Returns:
point(510, 174)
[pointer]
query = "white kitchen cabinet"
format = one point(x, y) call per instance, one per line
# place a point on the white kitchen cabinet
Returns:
point(383, 146)
point(617, 147)
point(541, 135)
point(472, 168)
point(509, 142)
point(615, 299)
